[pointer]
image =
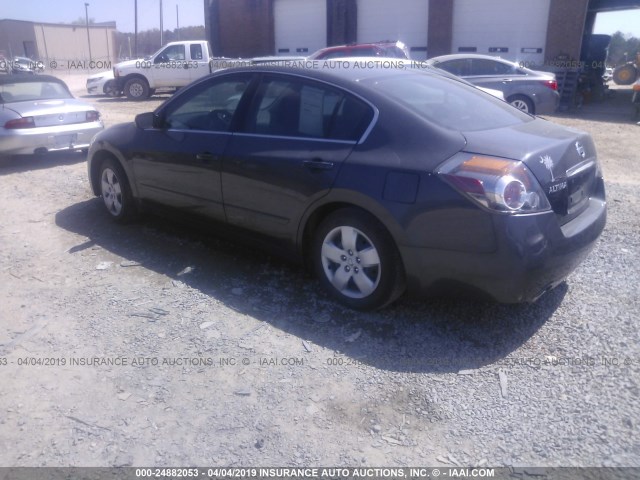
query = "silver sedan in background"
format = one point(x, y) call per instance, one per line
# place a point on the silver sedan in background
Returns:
point(531, 91)
point(39, 114)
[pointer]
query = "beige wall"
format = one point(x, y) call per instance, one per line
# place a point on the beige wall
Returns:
point(68, 44)
point(59, 47)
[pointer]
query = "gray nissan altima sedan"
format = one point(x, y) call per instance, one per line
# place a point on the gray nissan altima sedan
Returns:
point(381, 179)
point(38, 114)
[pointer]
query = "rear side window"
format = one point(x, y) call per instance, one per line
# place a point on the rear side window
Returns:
point(196, 51)
point(448, 103)
point(293, 107)
point(458, 67)
point(483, 66)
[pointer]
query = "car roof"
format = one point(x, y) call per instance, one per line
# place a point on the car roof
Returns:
point(350, 69)
point(27, 78)
point(458, 56)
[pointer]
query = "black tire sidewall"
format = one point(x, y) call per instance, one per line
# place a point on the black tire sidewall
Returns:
point(391, 283)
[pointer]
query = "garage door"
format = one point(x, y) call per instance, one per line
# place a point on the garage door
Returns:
point(300, 26)
point(513, 30)
point(404, 20)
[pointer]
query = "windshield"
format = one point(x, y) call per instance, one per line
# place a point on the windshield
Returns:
point(30, 91)
point(448, 103)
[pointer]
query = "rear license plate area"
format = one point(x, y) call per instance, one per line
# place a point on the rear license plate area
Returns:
point(65, 140)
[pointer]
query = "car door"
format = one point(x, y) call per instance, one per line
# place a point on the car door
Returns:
point(180, 163)
point(494, 74)
point(294, 139)
point(168, 69)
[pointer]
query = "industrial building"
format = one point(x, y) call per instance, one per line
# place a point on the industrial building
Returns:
point(66, 45)
point(531, 31)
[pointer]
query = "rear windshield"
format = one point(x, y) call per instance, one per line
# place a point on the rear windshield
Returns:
point(29, 91)
point(448, 103)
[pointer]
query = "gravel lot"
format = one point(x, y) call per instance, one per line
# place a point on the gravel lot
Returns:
point(150, 345)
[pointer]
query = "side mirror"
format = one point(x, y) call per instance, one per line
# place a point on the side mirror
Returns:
point(148, 120)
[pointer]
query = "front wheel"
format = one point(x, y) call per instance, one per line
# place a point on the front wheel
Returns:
point(357, 261)
point(110, 89)
point(115, 191)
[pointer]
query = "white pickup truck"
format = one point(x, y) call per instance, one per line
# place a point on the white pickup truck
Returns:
point(173, 66)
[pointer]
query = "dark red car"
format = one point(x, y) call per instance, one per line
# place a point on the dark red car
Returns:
point(378, 49)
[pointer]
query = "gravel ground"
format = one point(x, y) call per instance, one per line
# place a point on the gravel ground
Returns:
point(150, 345)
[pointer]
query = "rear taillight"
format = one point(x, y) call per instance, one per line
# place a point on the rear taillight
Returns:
point(636, 87)
point(552, 84)
point(24, 122)
point(93, 116)
point(496, 183)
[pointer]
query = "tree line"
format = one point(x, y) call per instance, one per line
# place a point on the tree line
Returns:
point(623, 48)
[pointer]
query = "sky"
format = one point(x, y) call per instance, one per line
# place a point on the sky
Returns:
point(626, 21)
point(191, 12)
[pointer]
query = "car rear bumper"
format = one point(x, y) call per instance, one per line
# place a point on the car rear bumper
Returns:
point(533, 255)
point(35, 140)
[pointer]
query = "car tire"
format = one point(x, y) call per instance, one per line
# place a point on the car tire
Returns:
point(356, 260)
point(522, 103)
point(116, 192)
point(110, 89)
point(136, 89)
point(625, 74)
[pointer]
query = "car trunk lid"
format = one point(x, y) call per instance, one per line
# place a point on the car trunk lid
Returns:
point(563, 160)
point(47, 113)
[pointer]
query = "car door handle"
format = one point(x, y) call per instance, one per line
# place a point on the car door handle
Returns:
point(505, 80)
point(206, 157)
point(318, 164)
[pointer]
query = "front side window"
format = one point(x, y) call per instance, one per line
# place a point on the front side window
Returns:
point(293, 107)
point(171, 54)
point(210, 108)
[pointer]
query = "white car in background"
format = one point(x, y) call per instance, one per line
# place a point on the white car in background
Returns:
point(102, 84)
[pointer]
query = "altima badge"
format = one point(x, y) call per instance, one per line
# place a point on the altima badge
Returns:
point(547, 161)
point(580, 150)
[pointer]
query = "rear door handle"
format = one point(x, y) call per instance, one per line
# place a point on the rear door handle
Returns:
point(318, 164)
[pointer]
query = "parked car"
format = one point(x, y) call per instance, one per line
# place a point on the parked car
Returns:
point(39, 114)
point(531, 91)
point(381, 179)
point(378, 49)
point(26, 65)
point(103, 83)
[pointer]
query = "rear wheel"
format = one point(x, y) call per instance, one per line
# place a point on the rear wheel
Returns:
point(522, 103)
point(115, 191)
point(136, 89)
point(357, 261)
point(625, 74)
